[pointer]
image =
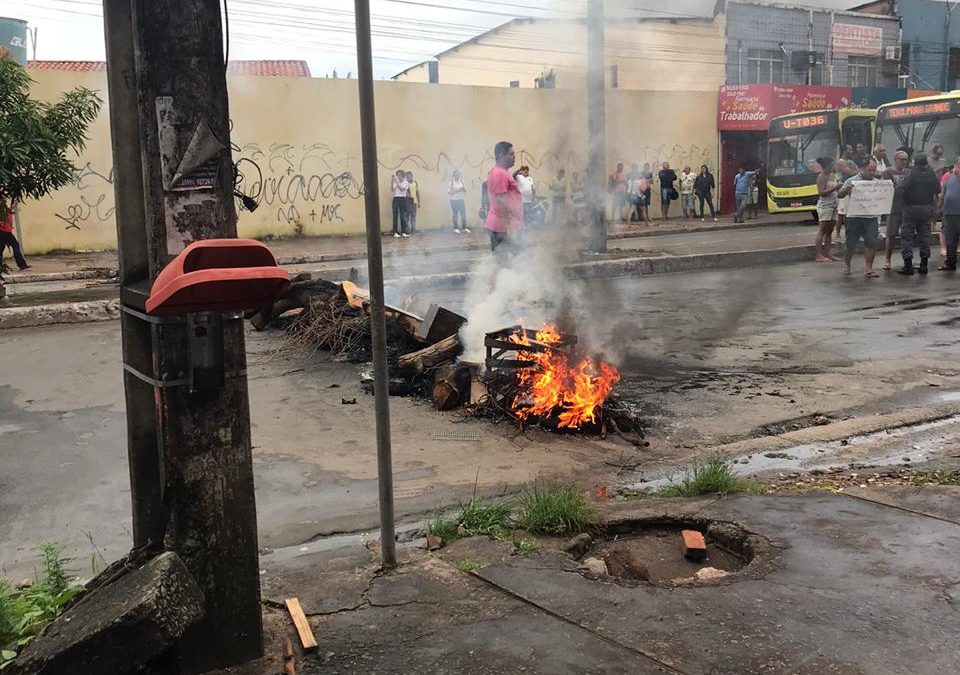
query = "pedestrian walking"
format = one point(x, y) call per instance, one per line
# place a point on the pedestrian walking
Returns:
point(7, 238)
point(741, 191)
point(505, 216)
point(827, 188)
point(668, 192)
point(457, 191)
point(687, 180)
point(558, 195)
point(918, 190)
point(401, 189)
point(703, 187)
point(896, 173)
point(950, 205)
point(413, 201)
point(861, 227)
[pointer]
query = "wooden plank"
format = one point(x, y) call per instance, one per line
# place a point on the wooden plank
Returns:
point(300, 621)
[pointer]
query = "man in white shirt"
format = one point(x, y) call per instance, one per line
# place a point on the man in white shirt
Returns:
point(525, 183)
point(880, 157)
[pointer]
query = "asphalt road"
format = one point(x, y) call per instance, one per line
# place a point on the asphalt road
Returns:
point(832, 341)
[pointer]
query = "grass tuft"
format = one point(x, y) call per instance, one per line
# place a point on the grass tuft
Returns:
point(554, 509)
point(468, 566)
point(476, 518)
point(937, 477)
point(24, 612)
point(525, 546)
point(713, 476)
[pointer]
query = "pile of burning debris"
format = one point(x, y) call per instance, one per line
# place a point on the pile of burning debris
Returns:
point(530, 376)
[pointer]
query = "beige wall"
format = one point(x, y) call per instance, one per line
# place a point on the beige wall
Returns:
point(651, 55)
point(304, 136)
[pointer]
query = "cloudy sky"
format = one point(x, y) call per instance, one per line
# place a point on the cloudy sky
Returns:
point(405, 32)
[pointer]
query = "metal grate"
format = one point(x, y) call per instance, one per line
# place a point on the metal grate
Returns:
point(454, 436)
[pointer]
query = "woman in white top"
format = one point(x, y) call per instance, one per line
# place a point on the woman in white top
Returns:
point(457, 191)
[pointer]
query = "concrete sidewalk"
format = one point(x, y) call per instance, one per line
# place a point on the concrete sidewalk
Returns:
point(852, 584)
point(332, 249)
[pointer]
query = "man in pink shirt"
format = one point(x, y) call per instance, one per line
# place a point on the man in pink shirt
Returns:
point(506, 203)
point(7, 238)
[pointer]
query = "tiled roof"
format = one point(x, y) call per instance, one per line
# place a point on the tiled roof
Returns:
point(256, 68)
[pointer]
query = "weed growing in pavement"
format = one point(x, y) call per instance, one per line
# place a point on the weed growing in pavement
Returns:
point(937, 477)
point(24, 612)
point(468, 566)
point(476, 518)
point(553, 509)
point(713, 476)
point(525, 546)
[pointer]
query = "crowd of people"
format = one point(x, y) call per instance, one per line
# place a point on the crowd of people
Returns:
point(925, 190)
point(631, 192)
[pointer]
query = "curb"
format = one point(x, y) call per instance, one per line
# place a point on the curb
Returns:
point(67, 312)
point(40, 277)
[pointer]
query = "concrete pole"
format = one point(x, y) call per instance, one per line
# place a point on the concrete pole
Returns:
point(596, 127)
point(206, 468)
point(371, 197)
point(143, 451)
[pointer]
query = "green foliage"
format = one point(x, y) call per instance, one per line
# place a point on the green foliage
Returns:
point(937, 477)
point(476, 518)
point(468, 566)
point(35, 136)
point(713, 476)
point(24, 612)
point(554, 509)
point(525, 546)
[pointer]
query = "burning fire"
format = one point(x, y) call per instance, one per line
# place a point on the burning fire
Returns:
point(571, 391)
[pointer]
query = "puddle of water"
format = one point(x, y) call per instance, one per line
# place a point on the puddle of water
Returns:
point(914, 442)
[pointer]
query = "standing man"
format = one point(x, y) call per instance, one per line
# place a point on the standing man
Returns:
point(667, 178)
point(7, 238)
point(741, 191)
point(400, 188)
point(900, 161)
point(860, 157)
point(936, 160)
point(865, 227)
point(950, 203)
point(687, 180)
point(558, 192)
point(505, 217)
point(918, 191)
point(880, 157)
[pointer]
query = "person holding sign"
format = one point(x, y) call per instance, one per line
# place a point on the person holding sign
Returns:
point(919, 189)
point(860, 222)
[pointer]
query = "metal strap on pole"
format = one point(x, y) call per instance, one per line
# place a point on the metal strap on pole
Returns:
point(371, 200)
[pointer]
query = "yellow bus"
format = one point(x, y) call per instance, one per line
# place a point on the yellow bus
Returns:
point(795, 141)
point(930, 124)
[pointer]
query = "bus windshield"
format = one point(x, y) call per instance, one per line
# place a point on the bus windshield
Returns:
point(796, 155)
point(922, 135)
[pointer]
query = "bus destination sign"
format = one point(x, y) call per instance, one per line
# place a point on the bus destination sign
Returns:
point(802, 122)
point(926, 109)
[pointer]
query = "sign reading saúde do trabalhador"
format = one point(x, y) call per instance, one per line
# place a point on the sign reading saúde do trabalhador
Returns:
point(849, 38)
point(870, 198)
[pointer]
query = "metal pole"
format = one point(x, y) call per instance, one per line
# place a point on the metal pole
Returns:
point(371, 201)
point(596, 126)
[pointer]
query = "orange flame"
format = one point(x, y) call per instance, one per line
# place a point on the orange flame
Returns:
point(555, 387)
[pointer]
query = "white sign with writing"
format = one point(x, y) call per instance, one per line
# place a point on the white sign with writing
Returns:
point(850, 38)
point(870, 198)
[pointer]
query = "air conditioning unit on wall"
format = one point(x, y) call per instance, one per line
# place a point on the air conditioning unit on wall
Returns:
point(892, 53)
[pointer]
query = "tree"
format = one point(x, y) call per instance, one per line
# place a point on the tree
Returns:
point(35, 137)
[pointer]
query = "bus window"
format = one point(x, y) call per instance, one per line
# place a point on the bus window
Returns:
point(924, 135)
point(795, 155)
point(857, 130)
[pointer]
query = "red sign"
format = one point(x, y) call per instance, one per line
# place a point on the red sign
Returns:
point(750, 107)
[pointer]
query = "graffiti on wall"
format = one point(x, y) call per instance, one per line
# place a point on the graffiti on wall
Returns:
point(95, 203)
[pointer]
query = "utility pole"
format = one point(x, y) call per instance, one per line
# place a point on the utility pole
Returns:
point(596, 127)
point(371, 202)
point(190, 451)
